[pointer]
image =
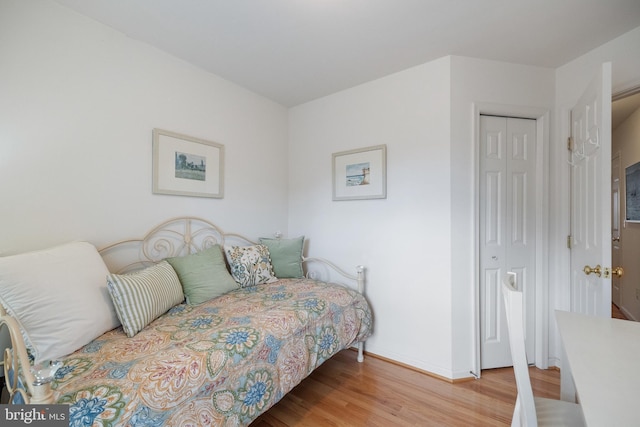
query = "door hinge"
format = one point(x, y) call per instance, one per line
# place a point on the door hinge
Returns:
point(570, 143)
point(569, 241)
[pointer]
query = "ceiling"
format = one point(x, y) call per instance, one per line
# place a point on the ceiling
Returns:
point(293, 51)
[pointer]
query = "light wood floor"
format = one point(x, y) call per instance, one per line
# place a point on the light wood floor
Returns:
point(343, 392)
point(616, 313)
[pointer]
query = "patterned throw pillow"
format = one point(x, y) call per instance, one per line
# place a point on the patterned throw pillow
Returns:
point(143, 296)
point(250, 265)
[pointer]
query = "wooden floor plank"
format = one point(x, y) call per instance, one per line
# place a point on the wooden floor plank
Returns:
point(345, 393)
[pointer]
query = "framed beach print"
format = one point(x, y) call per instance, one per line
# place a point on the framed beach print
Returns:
point(360, 174)
point(187, 166)
point(632, 193)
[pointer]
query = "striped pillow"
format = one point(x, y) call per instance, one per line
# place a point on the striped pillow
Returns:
point(143, 296)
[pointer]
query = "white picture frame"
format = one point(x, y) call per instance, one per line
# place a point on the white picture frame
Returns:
point(187, 166)
point(360, 174)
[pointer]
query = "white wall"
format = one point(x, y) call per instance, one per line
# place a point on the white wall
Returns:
point(418, 244)
point(403, 240)
point(571, 79)
point(78, 102)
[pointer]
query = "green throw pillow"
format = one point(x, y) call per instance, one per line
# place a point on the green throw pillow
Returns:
point(286, 256)
point(203, 275)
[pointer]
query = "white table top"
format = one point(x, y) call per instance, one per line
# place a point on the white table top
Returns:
point(604, 359)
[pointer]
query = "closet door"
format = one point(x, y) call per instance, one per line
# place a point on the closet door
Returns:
point(507, 230)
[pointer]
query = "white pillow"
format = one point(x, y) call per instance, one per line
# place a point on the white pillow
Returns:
point(59, 297)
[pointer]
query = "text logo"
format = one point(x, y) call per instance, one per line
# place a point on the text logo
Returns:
point(34, 415)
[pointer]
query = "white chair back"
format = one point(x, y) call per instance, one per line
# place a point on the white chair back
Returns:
point(525, 411)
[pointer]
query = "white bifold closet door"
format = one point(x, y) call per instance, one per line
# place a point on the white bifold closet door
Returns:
point(507, 230)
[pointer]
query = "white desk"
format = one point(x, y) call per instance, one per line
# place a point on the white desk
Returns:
point(604, 359)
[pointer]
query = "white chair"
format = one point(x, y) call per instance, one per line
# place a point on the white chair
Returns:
point(531, 411)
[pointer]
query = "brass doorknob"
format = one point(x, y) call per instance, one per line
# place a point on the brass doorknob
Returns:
point(618, 271)
point(597, 270)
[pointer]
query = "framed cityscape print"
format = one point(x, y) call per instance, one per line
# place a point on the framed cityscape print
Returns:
point(187, 166)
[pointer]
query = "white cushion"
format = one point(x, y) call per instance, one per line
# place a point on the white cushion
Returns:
point(143, 296)
point(59, 297)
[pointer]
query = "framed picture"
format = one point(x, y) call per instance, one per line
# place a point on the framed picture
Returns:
point(632, 193)
point(360, 174)
point(187, 166)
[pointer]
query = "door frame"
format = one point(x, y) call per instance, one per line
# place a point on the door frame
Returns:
point(541, 116)
point(630, 90)
point(615, 157)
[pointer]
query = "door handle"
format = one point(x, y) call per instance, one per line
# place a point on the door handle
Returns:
point(597, 270)
point(617, 271)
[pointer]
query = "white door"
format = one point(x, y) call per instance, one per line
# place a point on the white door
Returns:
point(616, 249)
point(590, 157)
point(507, 229)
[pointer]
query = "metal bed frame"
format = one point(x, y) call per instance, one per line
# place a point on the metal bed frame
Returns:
point(174, 237)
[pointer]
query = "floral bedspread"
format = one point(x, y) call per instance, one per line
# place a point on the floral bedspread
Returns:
point(221, 363)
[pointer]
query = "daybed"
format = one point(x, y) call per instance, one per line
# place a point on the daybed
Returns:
point(223, 356)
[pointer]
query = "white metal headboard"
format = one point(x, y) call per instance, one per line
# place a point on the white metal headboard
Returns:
point(174, 237)
point(186, 235)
